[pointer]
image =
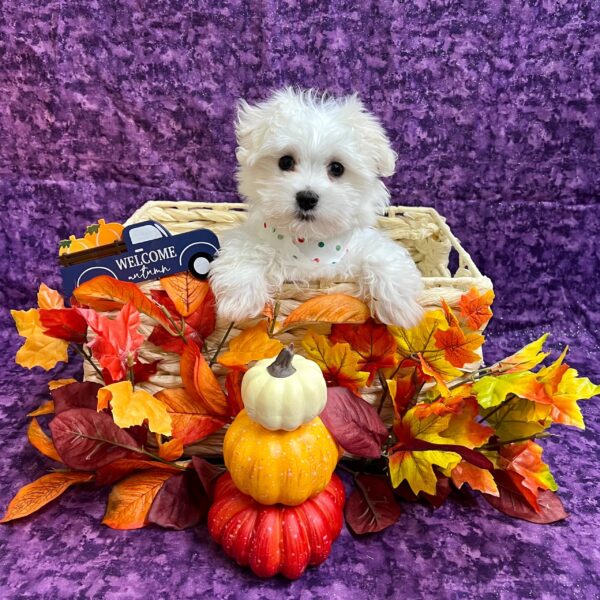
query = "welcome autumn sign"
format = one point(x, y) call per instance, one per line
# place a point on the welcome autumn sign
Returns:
point(452, 426)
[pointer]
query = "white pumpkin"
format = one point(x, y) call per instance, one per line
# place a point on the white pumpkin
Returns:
point(284, 392)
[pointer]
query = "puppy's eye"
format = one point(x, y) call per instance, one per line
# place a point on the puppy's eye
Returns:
point(336, 169)
point(287, 163)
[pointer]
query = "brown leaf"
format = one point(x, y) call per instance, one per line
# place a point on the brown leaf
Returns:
point(186, 292)
point(130, 500)
point(330, 308)
point(41, 442)
point(37, 494)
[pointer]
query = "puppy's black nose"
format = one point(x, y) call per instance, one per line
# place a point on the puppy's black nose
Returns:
point(306, 199)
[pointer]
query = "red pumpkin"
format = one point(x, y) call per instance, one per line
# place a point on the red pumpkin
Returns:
point(277, 538)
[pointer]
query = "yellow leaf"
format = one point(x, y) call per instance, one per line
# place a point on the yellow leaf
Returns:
point(39, 349)
point(525, 359)
point(186, 292)
point(58, 383)
point(463, 428)
point(331, 308)
point(339, 363)
point(37, 494)
point(49, 298)
point(518, 418)
point(130, 500)
point(41, 442)
point(131, 408)
point(416, 467)
point(250, 345)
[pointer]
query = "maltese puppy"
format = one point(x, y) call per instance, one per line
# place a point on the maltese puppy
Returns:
point(309, 167)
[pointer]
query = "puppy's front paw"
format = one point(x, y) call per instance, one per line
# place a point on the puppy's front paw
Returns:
point(403, 313)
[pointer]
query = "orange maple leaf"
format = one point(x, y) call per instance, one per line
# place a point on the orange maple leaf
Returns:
point(373, 342)
point(329, 308)
point(479, 479)
point(458, 347)
point(475, 307)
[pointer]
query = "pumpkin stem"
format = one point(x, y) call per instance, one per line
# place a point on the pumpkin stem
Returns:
point(282, 365)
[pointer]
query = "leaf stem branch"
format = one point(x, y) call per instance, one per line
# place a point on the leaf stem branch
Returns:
point(536, 436)
point(88, 357)
point(213, 360)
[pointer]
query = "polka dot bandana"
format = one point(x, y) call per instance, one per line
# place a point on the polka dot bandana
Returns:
point(305, 252)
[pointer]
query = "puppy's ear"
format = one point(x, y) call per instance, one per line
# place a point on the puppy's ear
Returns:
point(374, 140)
point(250, 128)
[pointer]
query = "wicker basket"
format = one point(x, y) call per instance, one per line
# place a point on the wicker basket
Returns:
point(422, 231)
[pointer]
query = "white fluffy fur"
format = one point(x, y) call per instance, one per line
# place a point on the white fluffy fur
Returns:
point(315, 130)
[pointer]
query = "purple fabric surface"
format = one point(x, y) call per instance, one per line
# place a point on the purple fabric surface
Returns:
point(493, 108)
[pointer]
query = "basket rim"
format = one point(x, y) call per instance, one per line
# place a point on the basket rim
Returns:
point(391, 212)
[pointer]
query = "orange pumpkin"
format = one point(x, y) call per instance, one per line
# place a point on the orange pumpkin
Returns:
point(276, 539)
point(103, 233)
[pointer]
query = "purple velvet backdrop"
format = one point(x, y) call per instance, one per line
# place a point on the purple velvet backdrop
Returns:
point(493, 108)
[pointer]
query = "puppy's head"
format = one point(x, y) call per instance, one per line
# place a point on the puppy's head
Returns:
point(312, 163)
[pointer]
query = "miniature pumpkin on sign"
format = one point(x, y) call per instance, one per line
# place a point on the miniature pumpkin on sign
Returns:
point(277, 449)
point(276, 539)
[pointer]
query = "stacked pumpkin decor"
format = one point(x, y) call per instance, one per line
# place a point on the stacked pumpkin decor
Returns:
point(280, 507)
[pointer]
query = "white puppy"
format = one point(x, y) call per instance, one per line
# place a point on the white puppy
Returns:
point(310, 168)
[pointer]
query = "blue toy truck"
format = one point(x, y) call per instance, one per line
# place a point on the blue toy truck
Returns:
point(147, 251)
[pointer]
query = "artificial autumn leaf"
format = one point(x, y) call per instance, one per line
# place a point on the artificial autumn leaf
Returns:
point(526, 460)
point(104, 293)
point(40, 441)
point(464, 429)
point(372, 505)
point(233, 387)
point(442, 491)
point(478, 479)
point(37, 494)
point(64, 324)
point(141, 372)
point(39, 349)
point(518, 418)
point(180, 502)
point(130, 500)
point(137, 407)
point(48, 298)
point(47, 408)
point(77, 394)
point(494, 390)
point(117, 340)
point(512, 501)
point(189, 420)
point(87, 440)
point(419, 344)
point(250, 345)
point(200, 381)
point(171, 450)
point(451, 319)
point(404, 387)
point(416, 467)
point(560, 387)
point(525, 359)
point(120, 468)
point(169, 343)
point(373, 342)
point(458, 347)
point(208, 474)
point(353, 423)
point(338, 362)
point(186, 292)
point(475, 307)
point(58, 383)
point(328, 308)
